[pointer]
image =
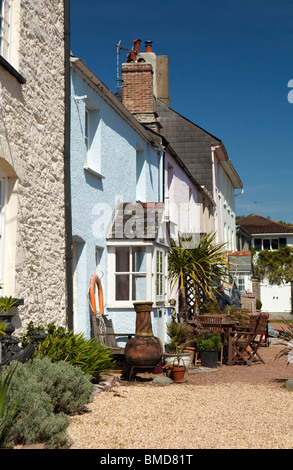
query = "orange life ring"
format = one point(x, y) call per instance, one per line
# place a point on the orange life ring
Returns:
point(96, 280)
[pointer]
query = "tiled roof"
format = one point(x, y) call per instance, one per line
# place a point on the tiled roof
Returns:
point(255, 224)
point(137, 220)
point(240, 253)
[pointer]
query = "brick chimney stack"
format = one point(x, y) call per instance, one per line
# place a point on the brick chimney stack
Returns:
point(138, 87)
point(137, 91)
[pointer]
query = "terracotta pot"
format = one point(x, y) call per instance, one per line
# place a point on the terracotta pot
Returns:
point(177, 373)
point(144, 349)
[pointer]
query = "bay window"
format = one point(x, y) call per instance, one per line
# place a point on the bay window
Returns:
point(136, 272)
point(130, 273)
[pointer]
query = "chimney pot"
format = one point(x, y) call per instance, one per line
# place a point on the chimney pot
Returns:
point(148, 46)
point(136, 46)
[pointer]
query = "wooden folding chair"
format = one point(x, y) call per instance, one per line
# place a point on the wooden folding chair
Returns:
point(212, 323)
point(241, 340)
point(256, 342)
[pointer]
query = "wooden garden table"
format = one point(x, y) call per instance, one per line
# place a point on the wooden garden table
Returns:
point(228, 326)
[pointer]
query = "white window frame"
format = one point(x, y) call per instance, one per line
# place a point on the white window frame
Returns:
point(5, 28)
point(160, 274)
point(92, 139)
point(270, 242)
point(112, 302)
point(241, 285)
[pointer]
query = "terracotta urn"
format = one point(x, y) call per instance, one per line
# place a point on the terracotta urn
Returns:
point(144, 349)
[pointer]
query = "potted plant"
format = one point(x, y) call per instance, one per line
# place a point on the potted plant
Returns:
point(179, 338)
point(177, 368)
point(209, 345)
point(7, 303)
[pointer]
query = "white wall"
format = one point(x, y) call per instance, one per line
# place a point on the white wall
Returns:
point(32, 156)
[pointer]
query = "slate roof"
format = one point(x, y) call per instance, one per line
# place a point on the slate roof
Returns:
point(255, 224)
point(190, 142)
point(137, 220)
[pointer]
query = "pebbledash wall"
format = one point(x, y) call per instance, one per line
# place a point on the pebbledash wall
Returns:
point(32, 146)
point(112, 161)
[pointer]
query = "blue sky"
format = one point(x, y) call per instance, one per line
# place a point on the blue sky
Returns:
point(230, 62)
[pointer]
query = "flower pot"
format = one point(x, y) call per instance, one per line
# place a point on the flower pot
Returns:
point(177, 373)
point(191, 350)
point(170, 358)
point(209, 358)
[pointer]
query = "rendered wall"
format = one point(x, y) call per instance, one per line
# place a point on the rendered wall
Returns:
point(32, 155)
point(94, 196)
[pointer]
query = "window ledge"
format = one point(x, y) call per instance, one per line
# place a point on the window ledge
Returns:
point(8, 67)
point(93, 172)
point(123, 304)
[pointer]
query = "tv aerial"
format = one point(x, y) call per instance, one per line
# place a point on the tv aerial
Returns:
point(118, 49)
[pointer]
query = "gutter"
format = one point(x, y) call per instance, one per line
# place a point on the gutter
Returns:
point(67, 186)
point(226, 163)
point(201, 188)
point(271, 234)
point(102, 90)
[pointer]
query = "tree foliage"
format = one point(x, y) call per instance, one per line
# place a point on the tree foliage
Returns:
point(276, 266)
point(204, 265)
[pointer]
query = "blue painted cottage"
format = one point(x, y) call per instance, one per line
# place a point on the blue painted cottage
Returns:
point(117, 208)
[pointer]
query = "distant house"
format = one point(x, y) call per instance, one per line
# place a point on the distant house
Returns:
point(117, 208)
point(206, 158)
point(269, 235)
point(35, 256)
point(202, 154)
point(242, 267)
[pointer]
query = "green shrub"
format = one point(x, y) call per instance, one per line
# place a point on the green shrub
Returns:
point(48, 392)
point(63, 345)
point(68, 387)
point(209, 341)
point(242, 316)
point(211, 308)
point(7, 411)
point(258, 304)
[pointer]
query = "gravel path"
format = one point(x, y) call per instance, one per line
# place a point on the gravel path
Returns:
point(238, 407)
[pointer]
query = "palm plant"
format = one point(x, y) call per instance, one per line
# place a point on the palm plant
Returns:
point(211, 267)
point(179, 335)
point(204, 265)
